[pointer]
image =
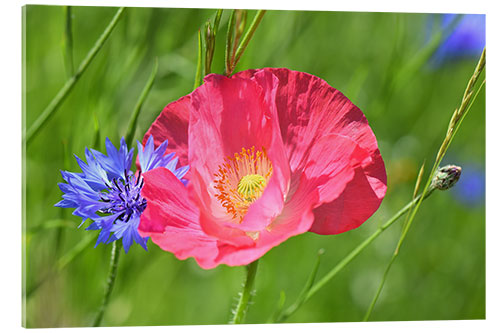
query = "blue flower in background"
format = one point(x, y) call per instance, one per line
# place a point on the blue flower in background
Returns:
point(470, 190)
point(109, 193)
point(467, 39)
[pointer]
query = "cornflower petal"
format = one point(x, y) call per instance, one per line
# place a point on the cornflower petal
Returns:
point(151, 158)
point(118, 162)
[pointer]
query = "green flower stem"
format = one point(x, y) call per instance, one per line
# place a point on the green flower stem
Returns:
point(68, 86)
point(68, 42)
point(138, 106)
point(115, 251)
point(115, 256)
point(353, 254)
point(229, 41)
point(239, 28)
point(231, 62)
point(246, 293)
point(197, 79)
point(248, 36)
point(210, 36)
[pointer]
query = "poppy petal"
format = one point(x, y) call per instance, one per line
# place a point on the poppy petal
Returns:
point(229, 114)
point(172, 221)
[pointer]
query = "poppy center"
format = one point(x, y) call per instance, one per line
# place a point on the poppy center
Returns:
point(250, 186)
point(241, 180)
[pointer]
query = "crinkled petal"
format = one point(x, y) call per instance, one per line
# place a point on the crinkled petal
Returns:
point(172, 221)
point(309, 109)
point(229, 114)
point(172, 125)
point(346, 213)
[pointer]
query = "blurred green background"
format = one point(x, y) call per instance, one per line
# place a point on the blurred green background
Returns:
point(440, 273)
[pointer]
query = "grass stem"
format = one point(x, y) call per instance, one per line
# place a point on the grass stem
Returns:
point(347, 259)
point(70, 83)
point(68, 42)
point(456, 119)
point(138, 106)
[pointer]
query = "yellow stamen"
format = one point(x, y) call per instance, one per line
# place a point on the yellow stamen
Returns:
point(241, 180)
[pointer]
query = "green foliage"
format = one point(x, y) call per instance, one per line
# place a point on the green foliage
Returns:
point(440, 272)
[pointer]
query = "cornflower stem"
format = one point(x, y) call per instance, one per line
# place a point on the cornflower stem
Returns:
point(115, 256)
point(70, 83)
point(246, 293)
point(115, 250)
point(347, 259)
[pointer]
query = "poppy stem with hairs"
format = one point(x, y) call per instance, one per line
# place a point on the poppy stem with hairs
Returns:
point(245, 294)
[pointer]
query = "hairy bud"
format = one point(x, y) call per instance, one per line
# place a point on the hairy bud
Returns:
point(446, 177)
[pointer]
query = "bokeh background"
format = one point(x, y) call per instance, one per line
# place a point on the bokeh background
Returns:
point(384, 62)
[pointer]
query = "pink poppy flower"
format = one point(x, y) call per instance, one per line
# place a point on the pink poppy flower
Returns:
point(273, 153)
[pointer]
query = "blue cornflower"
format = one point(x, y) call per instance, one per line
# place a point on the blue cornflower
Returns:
point(470, 190)
point(467, 39)
point(109, 193)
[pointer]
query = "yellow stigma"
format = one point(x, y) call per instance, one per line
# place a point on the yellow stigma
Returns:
point(241, 180)
point(250, 186)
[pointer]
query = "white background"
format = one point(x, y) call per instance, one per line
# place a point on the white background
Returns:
point(10, 150)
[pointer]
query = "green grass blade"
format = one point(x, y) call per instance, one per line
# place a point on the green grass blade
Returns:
point(51, 224)
point(197, 79)
point(68, 42)
point(229, 42)
point(68, 86)
point(422, 57)
point(302, 296)
point(132, 125)
point(62, 263)
point(218, 17)
point(74, 252)
point(248, 36)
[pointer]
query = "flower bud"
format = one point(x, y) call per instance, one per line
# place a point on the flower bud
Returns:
point(446, 177)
